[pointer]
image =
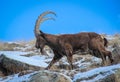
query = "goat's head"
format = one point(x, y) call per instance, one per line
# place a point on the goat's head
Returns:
point(40, 41)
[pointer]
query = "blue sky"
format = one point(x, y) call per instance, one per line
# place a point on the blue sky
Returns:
point(17, 17)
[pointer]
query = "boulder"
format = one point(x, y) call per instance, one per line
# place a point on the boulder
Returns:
point(37, 76)
point(49, 76)
point(10, 66)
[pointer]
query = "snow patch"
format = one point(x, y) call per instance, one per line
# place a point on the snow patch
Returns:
point(14, 52)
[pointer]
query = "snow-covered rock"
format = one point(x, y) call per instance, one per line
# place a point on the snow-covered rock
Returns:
point(11, 64)
point(17, 78)
point(37, 76)
point(98, 74)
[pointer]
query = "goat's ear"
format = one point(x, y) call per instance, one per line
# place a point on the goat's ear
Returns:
point(41, 32)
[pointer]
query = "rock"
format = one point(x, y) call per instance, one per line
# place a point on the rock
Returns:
point(49, 76)
point(37, 76)
point(116, 53)
point(102, 74)
point(10, 66)
point(115, 77)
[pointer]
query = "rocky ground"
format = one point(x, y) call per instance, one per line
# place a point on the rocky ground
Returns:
point(22, 62)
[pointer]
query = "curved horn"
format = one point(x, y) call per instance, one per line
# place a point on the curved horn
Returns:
point(49, 18)
point(42, 19)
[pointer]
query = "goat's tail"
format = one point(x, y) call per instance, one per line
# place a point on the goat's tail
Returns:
point(105, 42)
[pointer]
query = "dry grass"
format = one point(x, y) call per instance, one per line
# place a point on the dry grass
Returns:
point(116, 39)
point(11, 46)
point(8, 46)
point(32, 42)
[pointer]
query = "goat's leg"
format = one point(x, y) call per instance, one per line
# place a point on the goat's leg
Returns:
point(69, 58)
point(109, 54)
point(110, 57)
point(103, 56)
point(69, 51)
point(54, 60)
point(99, 54)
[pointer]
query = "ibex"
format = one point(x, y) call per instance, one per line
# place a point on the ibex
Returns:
point(68, 44)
